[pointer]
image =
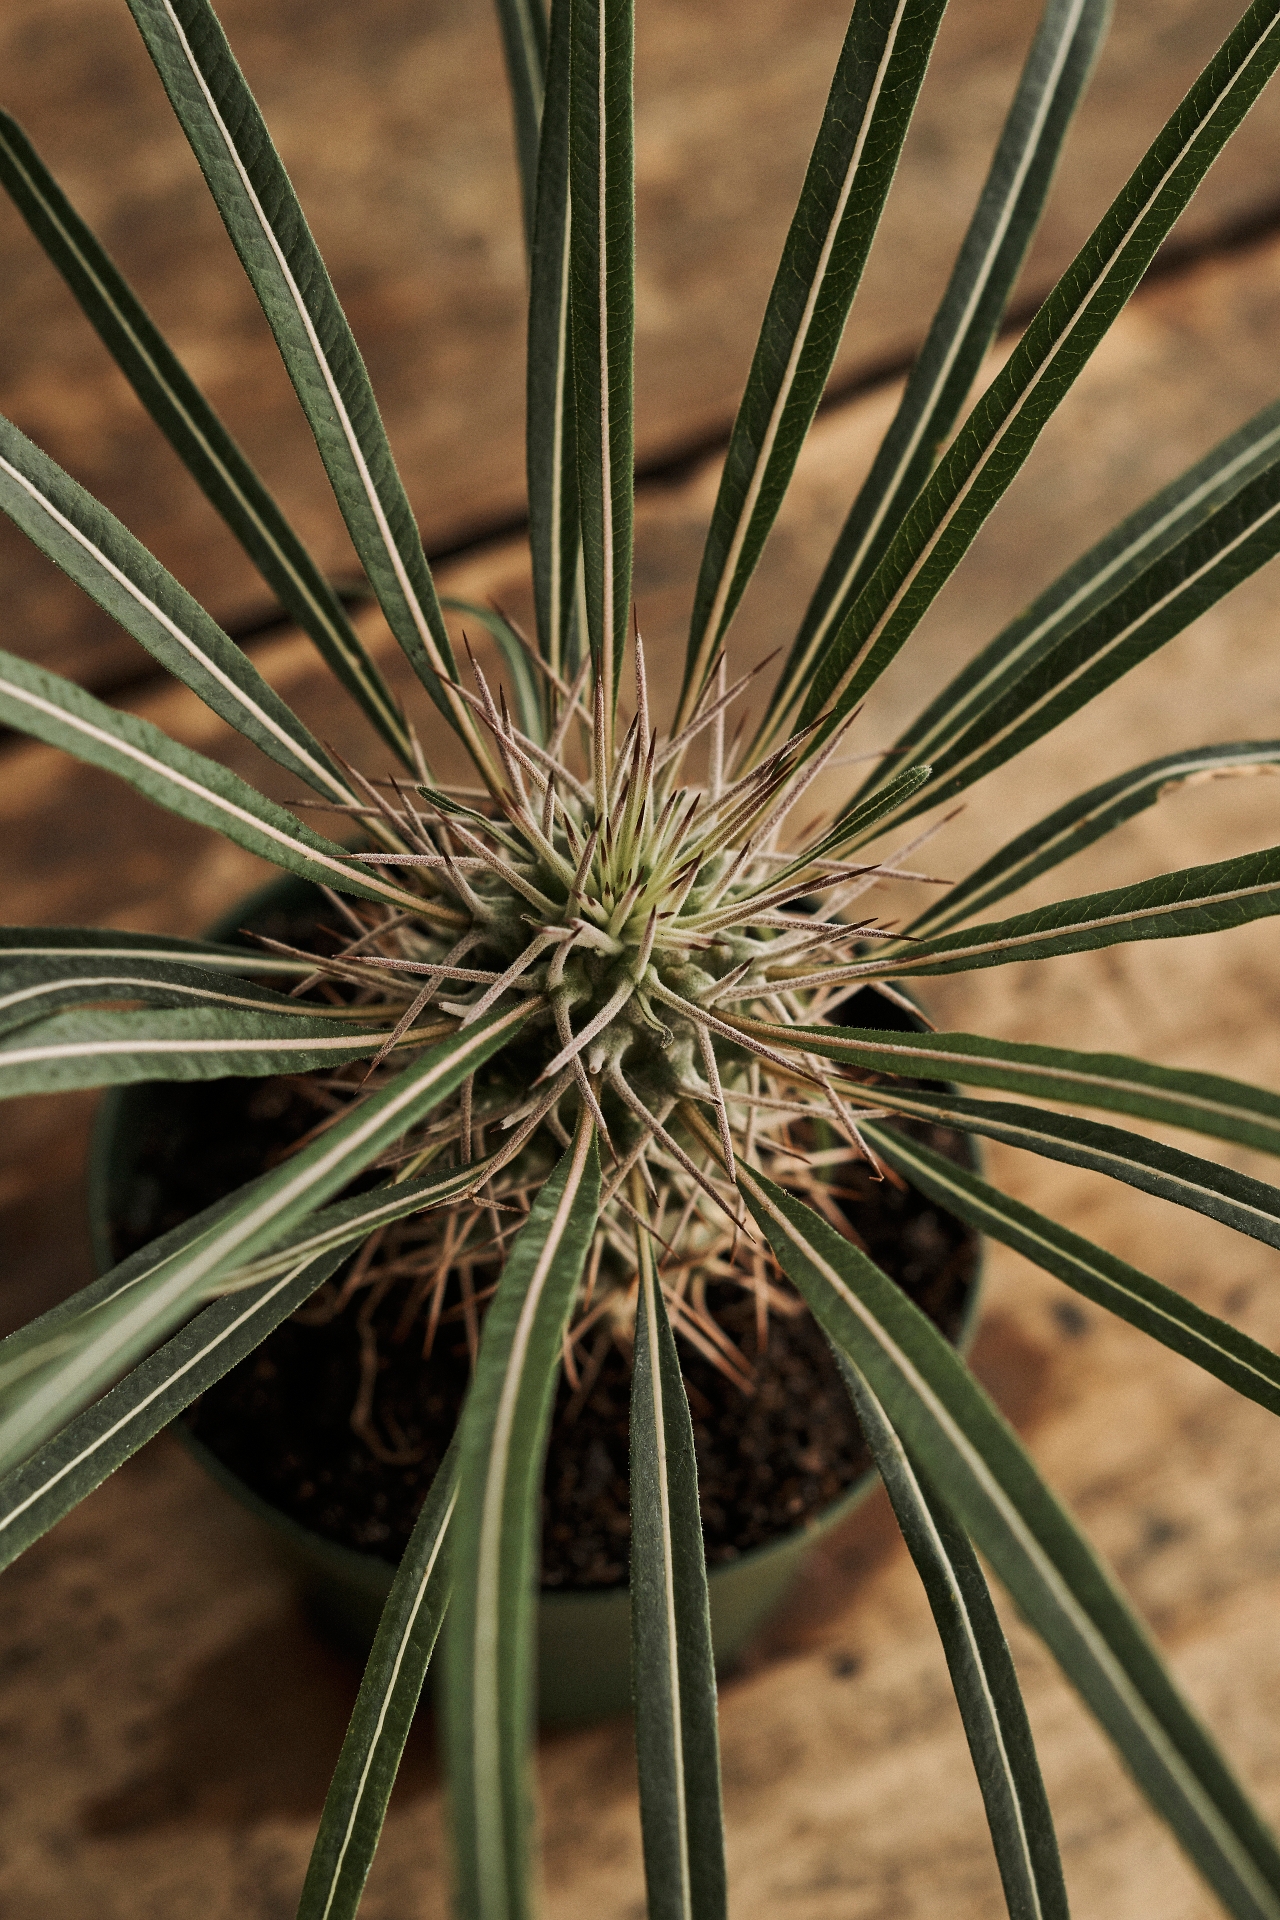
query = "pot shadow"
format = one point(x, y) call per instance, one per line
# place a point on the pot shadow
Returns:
point(254, 1732)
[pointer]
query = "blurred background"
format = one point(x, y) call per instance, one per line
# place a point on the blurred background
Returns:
point(173, 1795)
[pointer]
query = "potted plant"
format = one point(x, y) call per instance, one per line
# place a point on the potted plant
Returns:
point(595, 994)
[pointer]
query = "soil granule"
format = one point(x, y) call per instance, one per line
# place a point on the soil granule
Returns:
point(280, 1420)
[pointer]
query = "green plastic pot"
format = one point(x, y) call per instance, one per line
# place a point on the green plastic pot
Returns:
point(584, 1638)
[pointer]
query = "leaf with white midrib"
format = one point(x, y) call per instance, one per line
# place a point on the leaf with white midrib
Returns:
point(1170, 906)
point(115, 570)
point(1206, 1103)
point(35, 1495)
point(255, 1222)
point(330, 1229)
point(356, 1803)
point(673, 1670)
point(1213, 1344)
point(31, 989)
point(550, 440)
point(524, 42)
point(602, 308)
point(266, 226)
point(1070, 828)
point(991, 1484)
point(1154, 608)
point(177, 777)
point(1007, 420)
point(488, 1695)
point(1054, 75)
point(982, 1671)
point(1104, 572)
point(873, 93)
point(1250, 1206)
point(199, 438)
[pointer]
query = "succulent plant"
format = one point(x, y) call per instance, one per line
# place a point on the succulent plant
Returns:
point(584, 1019)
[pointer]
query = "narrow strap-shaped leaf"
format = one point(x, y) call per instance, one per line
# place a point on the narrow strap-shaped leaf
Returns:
point(551, 445)
point(102, 556)
point(331, 1229)
point(989, 262)
point(1206, 1103)
point(1244, 1364)
point(52, 946)
point(185, 782)
point(36, 1495)
point(673, 1670)
point(1156, 529)
point(1170, 906)
point(356, 1803)
point(1250, 1206)
point(91, 1048)
point(524, 682)
point(32, 989)
point(260, 211)
point(524, 42)
point(352, 1220)
point(602, 282)
point(873, 94)
point(859, 821)
point(982, 1672)
point(130, 1322)
point(1211, 562)
point(1069, 829)
point(489, 1639)
point(986, 1477)
point(1007, 420)
point(194, 431)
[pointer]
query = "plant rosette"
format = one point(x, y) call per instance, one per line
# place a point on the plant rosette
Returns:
point(580, 1019)
point(584, 1636)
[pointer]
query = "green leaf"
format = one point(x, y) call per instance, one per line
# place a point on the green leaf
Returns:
point(34, 987)
point(524, 42)
point(194, 430)
point(104, 1049)
point(1103, 579)
point(524, 681)
point(260, 211)
point(1006, 422)
point(673, 1671)
point(35, 1495)
point(990, 1483)
point(356, 1803)
point(489, 1640)
point(1251, 1369)
point(873, 95)
point(130, 1320)
point(990, 260)
point(1241, 537)
point(602, 282)
point(859, 821)
point(185, 782)
point(982, 1672)
point(103, 557)
point(335, 1229)
point(1205, 1103)
point(1250, 1206)
point(31, 946)
point(1171, 906)
point(1071, 828)
point(551, 445)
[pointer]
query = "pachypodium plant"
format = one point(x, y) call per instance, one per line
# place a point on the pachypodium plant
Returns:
point(584, 1023)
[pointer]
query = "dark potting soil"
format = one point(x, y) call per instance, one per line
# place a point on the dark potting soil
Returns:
point(281, 1419)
